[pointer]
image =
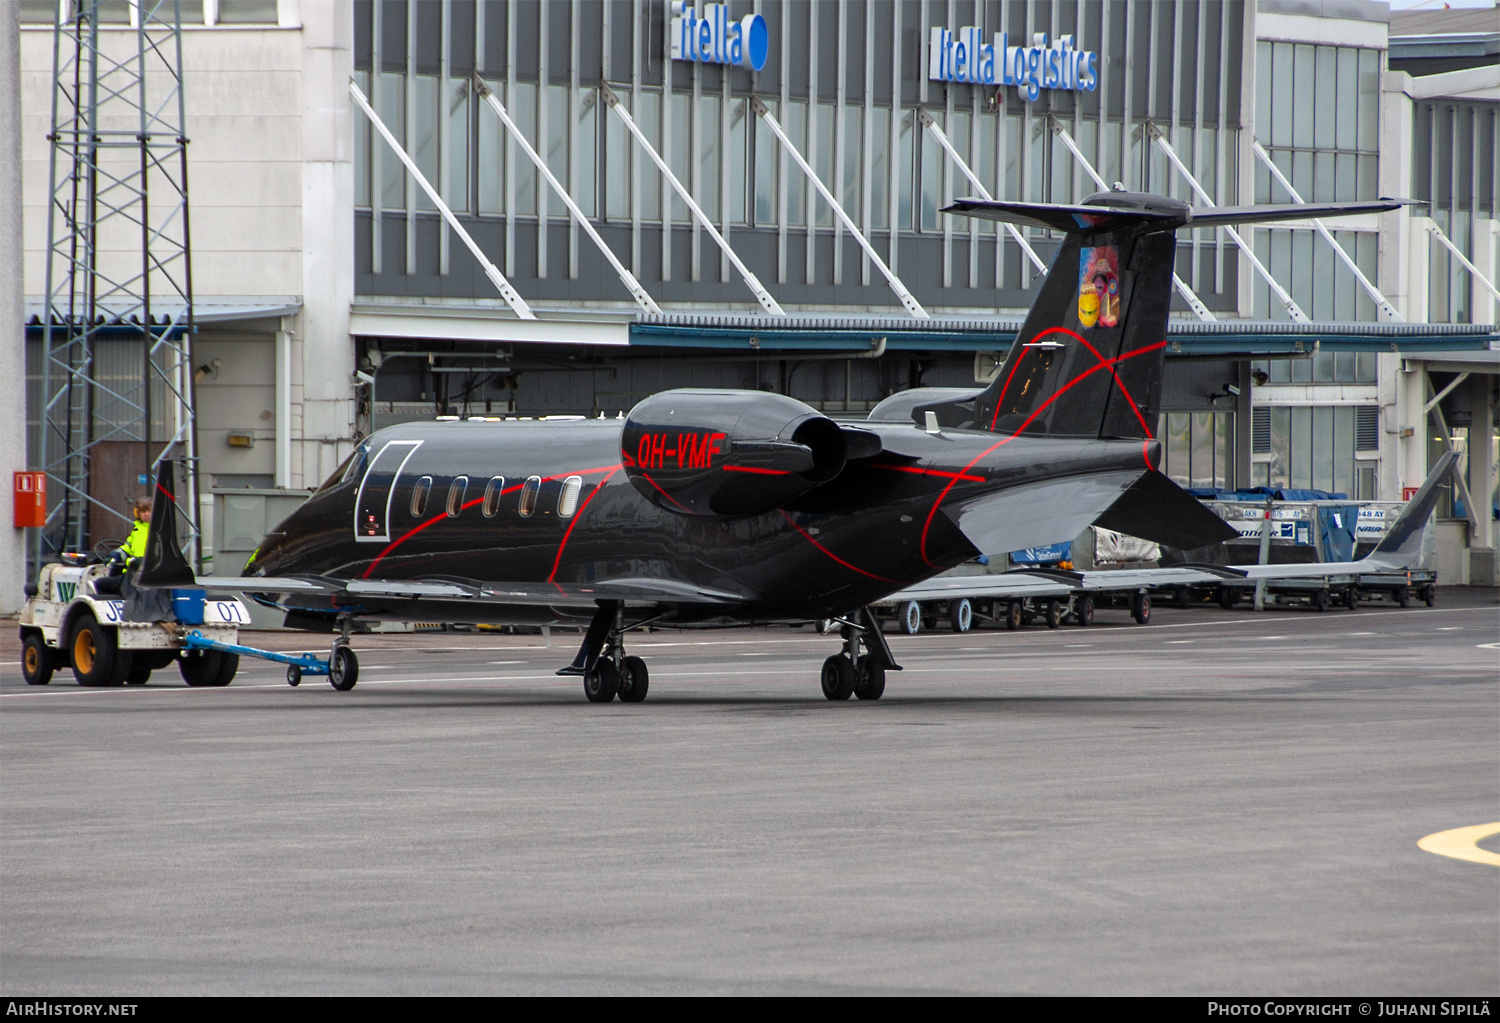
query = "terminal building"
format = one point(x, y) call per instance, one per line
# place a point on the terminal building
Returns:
point(404, 209)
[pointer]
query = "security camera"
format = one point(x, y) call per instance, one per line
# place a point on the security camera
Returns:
point(1232, 390)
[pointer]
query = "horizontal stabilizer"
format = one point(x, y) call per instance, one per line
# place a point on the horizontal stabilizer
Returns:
point(1158, 510)
point(1218, 216)
point(1059, 217)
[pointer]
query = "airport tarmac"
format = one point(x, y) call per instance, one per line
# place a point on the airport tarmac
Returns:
point(1216, 803)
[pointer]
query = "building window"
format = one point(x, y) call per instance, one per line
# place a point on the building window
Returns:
point(247, 12)
point(1321, 368)
point(1314, 448)
point(1318, 116)
point(1198, 448)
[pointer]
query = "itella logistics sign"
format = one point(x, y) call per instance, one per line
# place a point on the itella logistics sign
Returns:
point(715, 38)
point(966, 57)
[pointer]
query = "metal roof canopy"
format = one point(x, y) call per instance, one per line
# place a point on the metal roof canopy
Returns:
point(1187, 338)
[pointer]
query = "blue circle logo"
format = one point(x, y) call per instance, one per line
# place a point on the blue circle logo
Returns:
point(756, 41)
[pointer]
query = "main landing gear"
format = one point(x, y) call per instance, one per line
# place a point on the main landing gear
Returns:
point(606, 669)
point(852, 673)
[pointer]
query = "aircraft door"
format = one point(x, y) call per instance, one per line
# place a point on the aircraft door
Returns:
point(372, 506)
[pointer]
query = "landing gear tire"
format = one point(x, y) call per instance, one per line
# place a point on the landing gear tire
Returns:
point(293, 675)
point(838, 678)
point(97, 659)
point(911, 618)
point(1429, 595)
point(869, 679)
point(1320, 600)
point(634, 681)
point(1014, 614)
point(1140, 608)
point(343, 669)
point(1054, 613)
point(36, 660)
point(961, 615)
point(602, 682)
point(1085, 612)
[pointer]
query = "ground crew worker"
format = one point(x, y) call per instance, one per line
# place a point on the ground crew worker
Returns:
point(135, 544)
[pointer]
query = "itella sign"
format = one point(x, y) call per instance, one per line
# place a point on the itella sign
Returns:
point(965, 56)
point(717, 39)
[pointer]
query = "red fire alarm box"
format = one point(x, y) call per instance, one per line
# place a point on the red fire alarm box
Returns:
point(1407, 493)
point(31, 499)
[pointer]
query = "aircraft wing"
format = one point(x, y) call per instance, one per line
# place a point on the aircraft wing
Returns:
point(1005, 584)
point(632, 591)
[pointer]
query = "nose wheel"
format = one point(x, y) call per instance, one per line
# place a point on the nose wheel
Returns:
point(859, 668)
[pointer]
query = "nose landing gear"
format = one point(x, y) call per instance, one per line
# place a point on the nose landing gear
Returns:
point(852, 673)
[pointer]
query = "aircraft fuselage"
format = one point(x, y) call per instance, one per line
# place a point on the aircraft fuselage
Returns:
point(485, 502)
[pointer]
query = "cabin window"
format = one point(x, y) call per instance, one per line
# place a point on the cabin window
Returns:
point(456, 491)
point(492, 496)
point(419, 496)
point(529, 491)
point(567, 501)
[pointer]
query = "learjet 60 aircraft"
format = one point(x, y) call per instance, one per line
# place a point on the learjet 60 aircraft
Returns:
point(724, 507)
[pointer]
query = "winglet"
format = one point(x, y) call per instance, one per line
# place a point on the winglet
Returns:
point(1402, 543)
point(164, 564)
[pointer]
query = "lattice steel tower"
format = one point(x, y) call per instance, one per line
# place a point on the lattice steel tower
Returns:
point(116, 374)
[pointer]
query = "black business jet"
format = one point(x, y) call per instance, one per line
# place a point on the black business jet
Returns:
point(724, 507)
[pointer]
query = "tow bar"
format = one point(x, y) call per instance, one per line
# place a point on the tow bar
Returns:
point(341, 666)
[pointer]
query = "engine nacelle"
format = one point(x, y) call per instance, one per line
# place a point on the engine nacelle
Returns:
point(722, 453)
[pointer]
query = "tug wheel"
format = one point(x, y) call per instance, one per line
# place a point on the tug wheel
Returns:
point(838, 678)
point(343, 669)
point(96, 658)
point(634, 681)
point(208, 668)
point(36, 660)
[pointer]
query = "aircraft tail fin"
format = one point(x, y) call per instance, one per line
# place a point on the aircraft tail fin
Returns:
point(163, 564)
point(1088, 360)
point(1402, 543)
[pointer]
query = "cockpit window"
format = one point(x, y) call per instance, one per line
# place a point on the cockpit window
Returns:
point(351, 468)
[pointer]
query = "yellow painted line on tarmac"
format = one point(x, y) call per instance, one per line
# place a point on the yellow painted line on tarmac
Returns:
point(1463, 843)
